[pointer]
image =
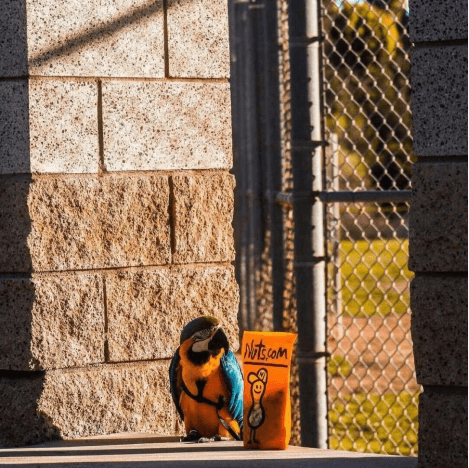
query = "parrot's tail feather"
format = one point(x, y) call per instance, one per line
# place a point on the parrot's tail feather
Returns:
point(229, 428)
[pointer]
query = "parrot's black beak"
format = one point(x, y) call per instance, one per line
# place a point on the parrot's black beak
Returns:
point(218, 342)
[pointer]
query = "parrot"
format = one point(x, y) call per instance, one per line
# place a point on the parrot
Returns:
point(206, 383)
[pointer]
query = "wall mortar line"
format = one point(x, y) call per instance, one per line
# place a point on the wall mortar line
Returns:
point(106, 322)
point(166, 40)
point(439, 274)
point(440, 43)
point(172, 217)
point(104, 366)
point(443, 159)
point(112, 270)
point(91, 175)
point(137, 173)
point(448, 389)
point(14, 78)
point(101, 165)
point(166, 79)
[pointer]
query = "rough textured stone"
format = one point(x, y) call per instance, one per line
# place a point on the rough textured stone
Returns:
point(20, 423)
point(203, 210)
point(14, 126)
point(83, 223)
point(153, 126)
point(15, 224)
point(134, 219)
point(434, 20)
point(438, 221)
point(109, 399)
point(439, 329)
point(443, 428)
point(17, 298)
point(36, 406)
point(147, 310)
point(48, 126)
point(198, 40)
point(63, 126)
point(65, 229)
point(96, 38)
point(51, 322)
point(439, 100)
point(13, 47)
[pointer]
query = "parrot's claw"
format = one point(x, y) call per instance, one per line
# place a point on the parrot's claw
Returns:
point(207, 440)
point(204, 440)
point(217, 438)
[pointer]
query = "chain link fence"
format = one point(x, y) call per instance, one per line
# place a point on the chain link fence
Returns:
point(367, 92)
point(373, 394)
point(372, 391)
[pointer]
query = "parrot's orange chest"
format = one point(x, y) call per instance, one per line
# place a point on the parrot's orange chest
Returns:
point(204, 380)
point(202, 416)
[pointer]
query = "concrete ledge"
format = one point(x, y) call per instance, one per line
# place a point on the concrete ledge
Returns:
point(149, 450)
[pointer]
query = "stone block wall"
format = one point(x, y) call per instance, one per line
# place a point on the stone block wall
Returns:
point(115, 207)
point(438, 228)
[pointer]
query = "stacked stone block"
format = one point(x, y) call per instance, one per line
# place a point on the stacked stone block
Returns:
point(438, 228)
point(115, 208)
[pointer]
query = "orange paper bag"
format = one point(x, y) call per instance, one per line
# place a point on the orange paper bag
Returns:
point(267, 409)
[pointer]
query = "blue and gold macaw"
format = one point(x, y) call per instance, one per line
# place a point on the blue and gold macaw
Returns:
point(207, 383)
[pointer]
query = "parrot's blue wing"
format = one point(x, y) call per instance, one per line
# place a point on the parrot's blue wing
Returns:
point(234, 380)
point(173, 382)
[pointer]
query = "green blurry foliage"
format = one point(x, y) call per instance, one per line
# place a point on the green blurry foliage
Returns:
point(375, 277)
point(339, 366)
point(386, 424)
point(367, 73)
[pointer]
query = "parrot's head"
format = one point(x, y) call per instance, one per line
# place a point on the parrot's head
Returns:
point(202, 338)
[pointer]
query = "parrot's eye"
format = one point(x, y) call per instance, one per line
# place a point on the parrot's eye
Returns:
point(204, 334)
point(201, 335)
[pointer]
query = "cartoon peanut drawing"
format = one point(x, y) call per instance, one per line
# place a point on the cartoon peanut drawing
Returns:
point(256, 414)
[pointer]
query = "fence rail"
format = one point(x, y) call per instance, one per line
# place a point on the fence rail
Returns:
point(347, 197)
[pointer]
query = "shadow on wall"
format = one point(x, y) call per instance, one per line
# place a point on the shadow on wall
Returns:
point(20, 422)
point(20, 389)
point(82, 39)
point(13, 43)
point(13, 47)
point(14, 111)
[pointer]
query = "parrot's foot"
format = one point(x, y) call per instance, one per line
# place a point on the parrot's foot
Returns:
point(193, 436)
point(217, 438)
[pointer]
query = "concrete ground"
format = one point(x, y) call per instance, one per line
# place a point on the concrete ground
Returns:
point(149, 450)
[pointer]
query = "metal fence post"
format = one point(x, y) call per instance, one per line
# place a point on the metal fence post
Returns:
point(246, 158)
point(269, 145)
point(307, 161)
